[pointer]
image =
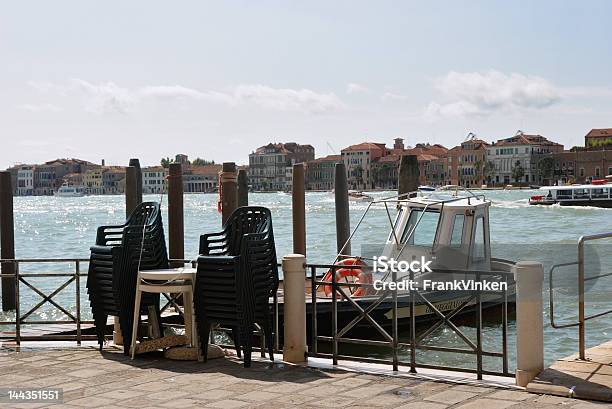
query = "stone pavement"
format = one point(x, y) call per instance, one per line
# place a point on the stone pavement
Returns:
point(91, 379)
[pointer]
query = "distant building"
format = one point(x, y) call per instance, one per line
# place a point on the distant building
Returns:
point(580, 166)
point(111, 178)
point(25, 180)
point(320, 172)
point(201, 179)
point(153, 180)
point(520, 150)
point(358, 160)
point(271, 166)
point(93, 181)
point(465, 163)
point(598, 139)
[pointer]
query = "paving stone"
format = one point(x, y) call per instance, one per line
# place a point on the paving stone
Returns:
point(227, 404)
point(450, 397)
point(332, 402)
point(486, 403)
point(259, 396)
point(422, 405)
point(295, 399)
point(510, 395)
point(91, 402)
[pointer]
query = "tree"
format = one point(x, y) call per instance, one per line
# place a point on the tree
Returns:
point(518, 172)
point(165, 162)
point(202, 162)
point(546, 166)
point(488, 171)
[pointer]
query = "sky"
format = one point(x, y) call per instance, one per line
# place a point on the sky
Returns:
point(148, 79)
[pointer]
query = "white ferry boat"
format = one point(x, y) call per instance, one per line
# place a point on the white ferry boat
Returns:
point(597, 194)
point(70, 191)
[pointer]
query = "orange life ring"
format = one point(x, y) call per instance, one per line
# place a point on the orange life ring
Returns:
point(362, 277)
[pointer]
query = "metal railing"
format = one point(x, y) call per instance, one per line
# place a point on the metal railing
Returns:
point(582, 318)
point(363, 311)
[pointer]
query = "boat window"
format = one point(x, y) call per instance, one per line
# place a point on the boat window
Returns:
point(479, 249)
point(425, 231)
point(581, 193)
point(600, 193)
point(457, 235)
point(564, 194)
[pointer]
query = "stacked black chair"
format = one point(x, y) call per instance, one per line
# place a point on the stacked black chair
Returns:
point(236, 277)
point(113, 268)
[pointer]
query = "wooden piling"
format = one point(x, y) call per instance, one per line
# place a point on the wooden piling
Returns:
point(343, 223)
point(243, 188)
point(176, 227)
point(408, 178)
point(298, 204)
point(131, 191)
point(229, 190)
point(7, 241)
point(136, 163)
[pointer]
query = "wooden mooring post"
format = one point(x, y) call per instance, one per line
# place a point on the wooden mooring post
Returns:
point(133, 195)
point(343, 222)
point(408, 180)
point(298, 205)
point(7, 241)
point(229, 190)
point(176, 221)
point(136, 163)
point(243, 188)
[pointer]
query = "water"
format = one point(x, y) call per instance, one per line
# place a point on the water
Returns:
point(53, 227)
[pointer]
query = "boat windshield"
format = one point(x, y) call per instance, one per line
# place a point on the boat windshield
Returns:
point(426, 223)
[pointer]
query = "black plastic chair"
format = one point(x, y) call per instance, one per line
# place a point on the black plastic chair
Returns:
point(236, 276)
point(113, 268)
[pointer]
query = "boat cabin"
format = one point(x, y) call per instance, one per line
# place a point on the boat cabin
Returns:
point(595, 194)
point(451, 231)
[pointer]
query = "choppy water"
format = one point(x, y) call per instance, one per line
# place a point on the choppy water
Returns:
point(49, 227)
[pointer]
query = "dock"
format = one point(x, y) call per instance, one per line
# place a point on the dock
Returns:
point(575, 378)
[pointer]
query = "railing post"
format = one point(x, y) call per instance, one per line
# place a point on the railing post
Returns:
point(7, 241)
point(581, 340)
point(176, 222)
point(294, 310)
point(229, 190)
point(298, 204)
point(343, 222)
point(529, 276)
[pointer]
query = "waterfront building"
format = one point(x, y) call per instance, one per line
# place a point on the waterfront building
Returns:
point(598, 139)
point(111, 177)
point(74, 179)
point(201, 179)
point(153, 179)
point(271, 166)
point(358, 160)
point(465, 163)
point(515, 159)
point(25, 180)
point(320, 172)
point(581, 166)
point(93, 182)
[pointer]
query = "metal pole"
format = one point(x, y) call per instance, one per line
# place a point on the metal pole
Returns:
point(581, 341)
point(7, 241)
point(408, 175)
point(243, 188)
point(229, 190)
point(299, 210)
point(131, 193)
point(136, 164)
point(343, 223)
point(176, 228)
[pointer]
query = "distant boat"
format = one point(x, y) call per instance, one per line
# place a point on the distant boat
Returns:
point(357, 196)
point(597, 194)
point(425, 188)
point(70, 191)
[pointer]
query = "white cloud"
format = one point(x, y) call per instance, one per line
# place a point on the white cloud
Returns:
point(109, 97)
point(39, 107)
point(390, 96)
point(353, 88)
point(286, 99)
point(476, 93)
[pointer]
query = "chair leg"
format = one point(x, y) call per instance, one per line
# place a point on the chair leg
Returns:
point(269, 341)
point(136, 320)
point(237, 340)
point(188, 317)
point(247, 343)
point(204, 331)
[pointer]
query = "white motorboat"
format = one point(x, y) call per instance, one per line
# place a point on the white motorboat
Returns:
point(598, 194)
point(357, 196)
point(70, 191)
